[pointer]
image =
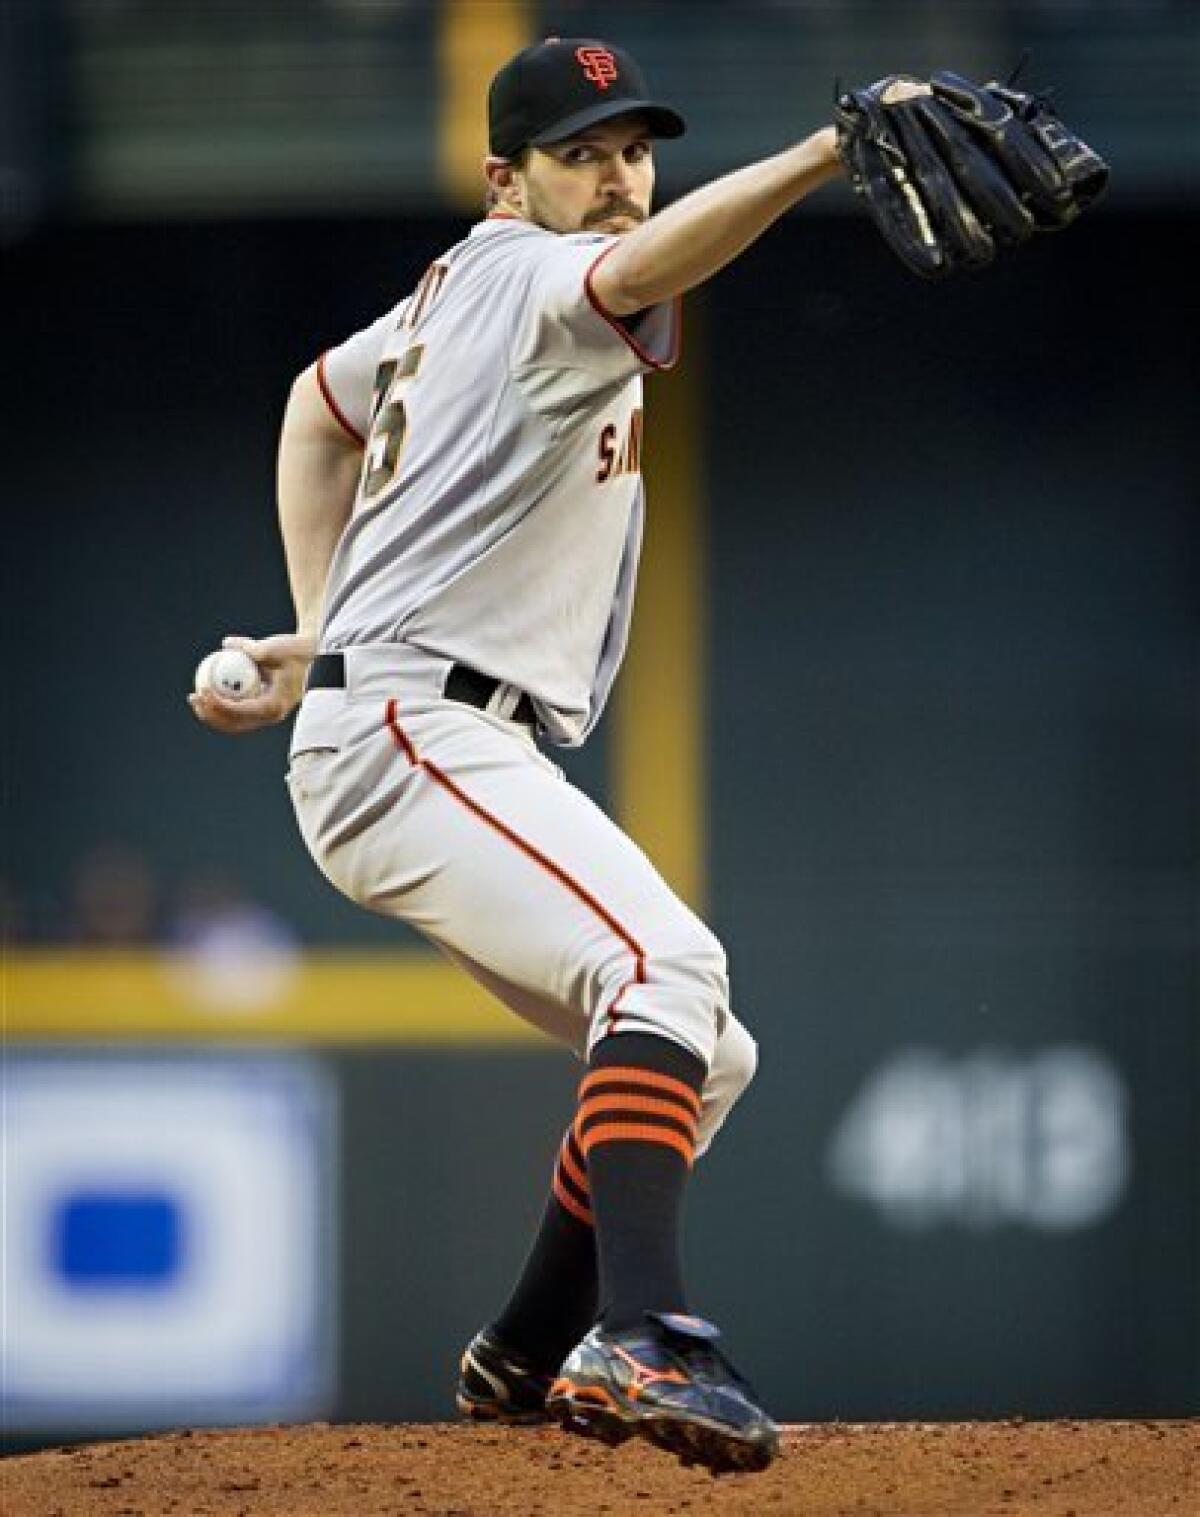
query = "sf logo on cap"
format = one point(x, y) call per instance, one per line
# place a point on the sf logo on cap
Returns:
point(598, 65)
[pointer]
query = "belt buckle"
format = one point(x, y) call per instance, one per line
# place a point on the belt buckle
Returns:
point(496, 697)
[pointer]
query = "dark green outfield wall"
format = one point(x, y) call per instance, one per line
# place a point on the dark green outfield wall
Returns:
point(953, 789)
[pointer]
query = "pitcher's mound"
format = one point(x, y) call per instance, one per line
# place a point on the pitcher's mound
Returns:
point(959, 1469)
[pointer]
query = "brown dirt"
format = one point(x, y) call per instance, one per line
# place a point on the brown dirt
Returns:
point(1058, 1469)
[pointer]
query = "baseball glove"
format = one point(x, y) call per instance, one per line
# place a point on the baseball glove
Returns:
point(950, 170)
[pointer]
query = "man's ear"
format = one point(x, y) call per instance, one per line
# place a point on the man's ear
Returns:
point(504, 181)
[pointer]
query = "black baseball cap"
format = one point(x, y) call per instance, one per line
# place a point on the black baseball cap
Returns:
point(562, 85)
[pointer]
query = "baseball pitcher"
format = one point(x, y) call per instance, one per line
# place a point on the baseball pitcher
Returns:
point(461, 507)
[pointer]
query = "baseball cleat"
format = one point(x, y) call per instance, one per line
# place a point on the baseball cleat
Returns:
point(668, 1383)
point(497, 1385)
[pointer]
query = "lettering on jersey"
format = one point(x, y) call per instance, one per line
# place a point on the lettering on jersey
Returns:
point(426, 292)
point(625, 458)
point(598, 65)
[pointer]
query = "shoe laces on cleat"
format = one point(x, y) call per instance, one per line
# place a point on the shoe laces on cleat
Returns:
point(693, 1341)
point(492, 1372)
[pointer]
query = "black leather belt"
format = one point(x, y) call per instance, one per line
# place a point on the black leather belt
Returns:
point(328, 672)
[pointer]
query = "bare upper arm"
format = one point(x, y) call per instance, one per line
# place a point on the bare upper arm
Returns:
point(610, 285)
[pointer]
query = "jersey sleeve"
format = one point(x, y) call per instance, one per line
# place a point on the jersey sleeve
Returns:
point(567, 327)
point(346, 374)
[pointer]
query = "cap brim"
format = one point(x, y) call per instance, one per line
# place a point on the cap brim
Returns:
point(662, 120)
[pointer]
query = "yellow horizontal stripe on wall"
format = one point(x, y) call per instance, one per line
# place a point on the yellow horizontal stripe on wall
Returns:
point(318, 998)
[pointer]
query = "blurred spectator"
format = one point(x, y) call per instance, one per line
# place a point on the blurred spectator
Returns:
point(114, 898)
point(231, 953)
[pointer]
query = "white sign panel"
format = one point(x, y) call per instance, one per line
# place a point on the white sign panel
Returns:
point(167, 1241)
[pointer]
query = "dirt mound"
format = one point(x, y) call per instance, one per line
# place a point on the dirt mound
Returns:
point(1051, 1469)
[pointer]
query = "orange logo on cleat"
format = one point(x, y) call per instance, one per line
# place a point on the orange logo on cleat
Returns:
point(598, 65)
point(644, 1376)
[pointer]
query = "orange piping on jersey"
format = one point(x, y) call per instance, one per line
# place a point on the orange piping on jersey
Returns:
point(405, 743)
point(614, 1011)
point(338, 413)
point(619, 327)
point(402, 737)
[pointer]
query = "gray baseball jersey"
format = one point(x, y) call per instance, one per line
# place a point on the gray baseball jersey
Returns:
point(499, 515)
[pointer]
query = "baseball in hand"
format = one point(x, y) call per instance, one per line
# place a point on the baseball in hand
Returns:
point(229, 673)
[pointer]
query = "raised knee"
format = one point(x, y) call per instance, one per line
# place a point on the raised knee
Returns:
point(699, 961)
point(736, 1059)
point(679, 991)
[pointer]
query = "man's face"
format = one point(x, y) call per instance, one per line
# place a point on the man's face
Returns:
point(600, 180)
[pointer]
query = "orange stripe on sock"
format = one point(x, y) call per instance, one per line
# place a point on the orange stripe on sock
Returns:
point(619, 1105)
point(562, 1185)
point(647, 1078)
point(568, 1202)
point(573, 1171)
point(637, 1132)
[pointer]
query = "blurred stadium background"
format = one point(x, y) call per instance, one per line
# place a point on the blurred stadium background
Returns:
point(911, 715)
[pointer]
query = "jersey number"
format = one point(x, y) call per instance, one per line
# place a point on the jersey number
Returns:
point(389, 422)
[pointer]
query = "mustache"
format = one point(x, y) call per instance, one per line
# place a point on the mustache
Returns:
point(618, 207)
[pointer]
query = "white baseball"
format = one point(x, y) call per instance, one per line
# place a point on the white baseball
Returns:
point(229, 673)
